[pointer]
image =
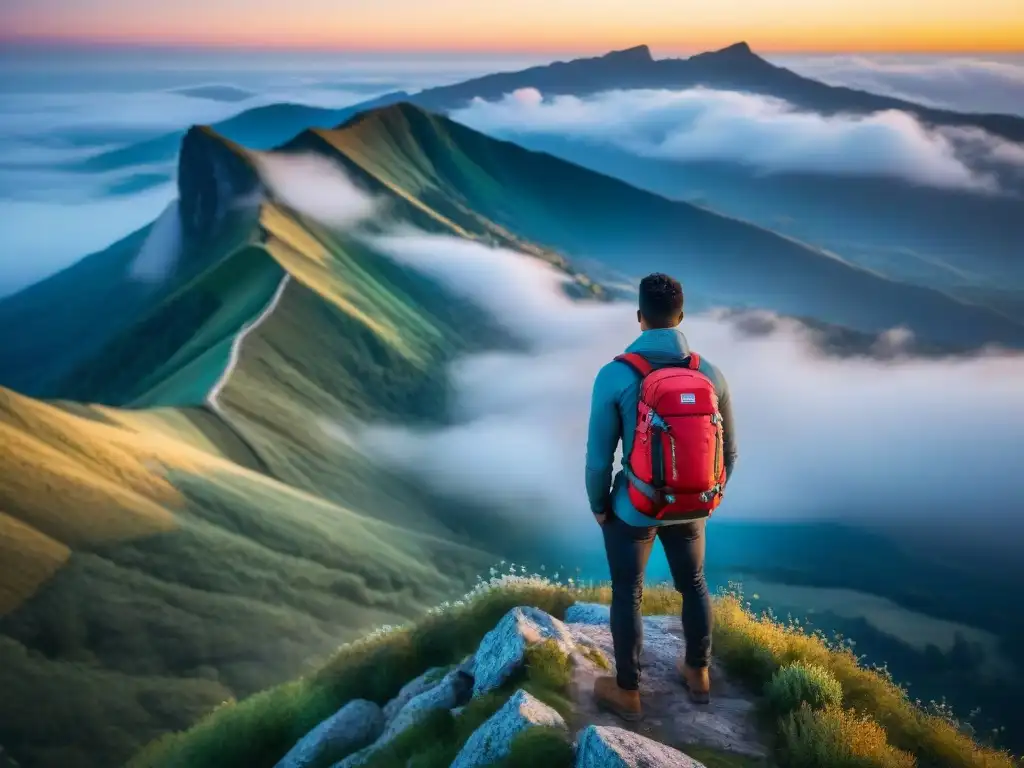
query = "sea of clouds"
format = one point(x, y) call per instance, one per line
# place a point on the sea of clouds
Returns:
point(821, 436)
point(55, 111)
point(966, 84)
point(762, 132)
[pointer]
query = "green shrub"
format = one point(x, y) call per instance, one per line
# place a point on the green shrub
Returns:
point(752, 647)
point(799, 683)
point(836, 738)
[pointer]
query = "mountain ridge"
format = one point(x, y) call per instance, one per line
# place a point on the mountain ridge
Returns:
point(444, 176)
point(735, 67)
point(441, 131)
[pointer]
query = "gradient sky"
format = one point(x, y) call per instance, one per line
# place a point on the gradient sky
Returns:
point(530, 25)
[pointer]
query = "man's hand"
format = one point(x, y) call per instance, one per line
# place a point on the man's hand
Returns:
point(602, 518)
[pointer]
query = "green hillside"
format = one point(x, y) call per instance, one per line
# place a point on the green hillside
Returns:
point(470, 177)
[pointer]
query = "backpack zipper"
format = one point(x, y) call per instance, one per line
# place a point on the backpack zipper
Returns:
point(716, 421)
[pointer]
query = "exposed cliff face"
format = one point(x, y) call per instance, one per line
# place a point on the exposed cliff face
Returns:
point(215, 177)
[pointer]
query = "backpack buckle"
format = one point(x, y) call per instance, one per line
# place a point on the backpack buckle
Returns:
point(708, 495)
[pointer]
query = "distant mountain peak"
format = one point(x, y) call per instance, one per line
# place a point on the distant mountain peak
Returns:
point(740, 47)
point(638, 53)
point(735, 51)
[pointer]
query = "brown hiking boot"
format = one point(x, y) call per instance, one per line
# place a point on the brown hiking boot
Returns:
point(696, 681)
point(618, 701)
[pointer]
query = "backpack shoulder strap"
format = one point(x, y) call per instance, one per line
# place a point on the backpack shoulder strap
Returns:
point(637, 362)
point(694, 363)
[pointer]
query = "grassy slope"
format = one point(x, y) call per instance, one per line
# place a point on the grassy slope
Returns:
point(948, 239)
point(51, 332)
point(186, 580)
point(888, 730)
point(468, 176)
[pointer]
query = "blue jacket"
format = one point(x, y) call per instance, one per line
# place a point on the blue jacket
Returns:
point(613, 418)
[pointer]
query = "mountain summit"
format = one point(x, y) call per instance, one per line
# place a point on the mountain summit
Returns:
point(736, 49)
point(636, 54)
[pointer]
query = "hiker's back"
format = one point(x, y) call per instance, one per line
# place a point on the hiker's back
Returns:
point(702, 450)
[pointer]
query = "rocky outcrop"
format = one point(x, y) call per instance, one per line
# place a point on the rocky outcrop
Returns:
point(671, 720)
point(612, 747)
point(493, 740)
point(451, 691)
point(356, 724)
point(411, 690)
point(502, 649)
point(215, 177)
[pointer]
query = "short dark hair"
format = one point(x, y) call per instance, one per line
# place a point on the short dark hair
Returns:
point(661, 300)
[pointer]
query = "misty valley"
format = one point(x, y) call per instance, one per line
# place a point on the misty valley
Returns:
point(326, 360)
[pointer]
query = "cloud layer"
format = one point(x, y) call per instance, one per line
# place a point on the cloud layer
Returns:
point(959, 83)
point(315, 186)
point(43, 237)
point(161, 249)
point(856, 439)
point(54, 112)
point(759, 131)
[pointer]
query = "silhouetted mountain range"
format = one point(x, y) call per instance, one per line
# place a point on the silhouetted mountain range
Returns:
point(736, 67)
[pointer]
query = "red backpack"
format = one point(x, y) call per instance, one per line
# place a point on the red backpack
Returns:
point(676, 467)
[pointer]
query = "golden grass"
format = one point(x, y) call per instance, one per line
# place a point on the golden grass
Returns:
point(753, 646)
point(837, 738)
point(30, 558)
point(312, 264)
point(195, 427)
point(378, 159)
point(76, 480)
point(328, 268)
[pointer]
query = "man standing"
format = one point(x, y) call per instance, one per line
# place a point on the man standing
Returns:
point(672, 476)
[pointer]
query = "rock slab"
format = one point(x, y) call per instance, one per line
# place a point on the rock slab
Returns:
point(588, 613)
point(450, 692)
point(453, 690)
point(411, 690)
point(502, 649)
point(610, 747)
point(356, 724)
point(669, 715)
point(493, 740)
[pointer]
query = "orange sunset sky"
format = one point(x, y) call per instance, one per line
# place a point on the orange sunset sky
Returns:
point(530, 25)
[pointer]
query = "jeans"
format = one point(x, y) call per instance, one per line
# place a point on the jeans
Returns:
point(628, 548)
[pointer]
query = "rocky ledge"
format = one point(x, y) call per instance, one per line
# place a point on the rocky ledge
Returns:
point(671, 722)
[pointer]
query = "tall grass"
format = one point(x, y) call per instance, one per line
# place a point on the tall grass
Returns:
point(752, 647)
